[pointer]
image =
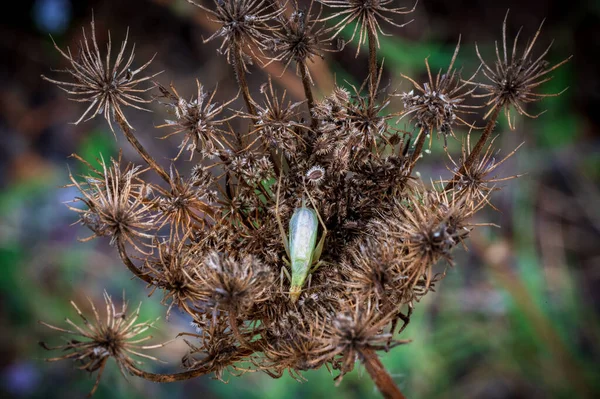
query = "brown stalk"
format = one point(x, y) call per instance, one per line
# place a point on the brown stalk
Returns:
point(487, 132)
point(380, 376)
point(240, 75)
point(310, 100)
point(372, 63)
point(130, 265)
point(127, 131)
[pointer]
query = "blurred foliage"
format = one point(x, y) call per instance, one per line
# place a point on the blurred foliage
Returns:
point(526, 328)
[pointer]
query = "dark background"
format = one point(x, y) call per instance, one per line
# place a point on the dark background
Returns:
point(523, 327)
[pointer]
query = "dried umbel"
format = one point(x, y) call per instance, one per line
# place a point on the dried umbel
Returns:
point(213, 236)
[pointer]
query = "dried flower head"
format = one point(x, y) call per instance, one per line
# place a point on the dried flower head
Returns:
point(514, 79)
point(367, 15)
point(116, 204)
point(276, 122)
point(198, 119)
point(244, 24)
point(300, 38)
point(438, 104)
point(475, 183)
point(106, 87)
point(118, 336)
point(356, 332)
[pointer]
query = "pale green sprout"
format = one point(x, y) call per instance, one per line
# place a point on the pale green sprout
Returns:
point(301, 247)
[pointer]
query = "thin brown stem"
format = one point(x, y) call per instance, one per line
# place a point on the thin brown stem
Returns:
point(487, 132)
point(371, 34)
point(127, 131)
point(310, 100)
point(240, 75)
point(380, 376)
point(130, 265)
point(187, 375)
point(418, 148)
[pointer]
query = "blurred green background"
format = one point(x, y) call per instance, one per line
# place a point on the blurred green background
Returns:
point(516, 318)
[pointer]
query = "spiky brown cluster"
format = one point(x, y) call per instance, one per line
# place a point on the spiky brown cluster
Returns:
point(214, 237)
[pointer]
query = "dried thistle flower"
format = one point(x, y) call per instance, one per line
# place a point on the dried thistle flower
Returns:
point(117, 205)
point(475, 184)
point(276, 122)
point(299, 39)
point(244, 24)
point(357, 331)
point(514, 80)
point(106, 87)
point(439, 103)
point(368, 15)
point(198, 119)
point(117, 337)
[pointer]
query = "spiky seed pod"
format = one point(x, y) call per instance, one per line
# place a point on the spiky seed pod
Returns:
point(171, 270)
point(514, 79)
point(95, 81)
point(244, 24)
point(118, 336)
point(315, 175)
point(276, 122)
point(299, 39)
point(438, 104)
point(475, 184)
point(218, 350)
point(354, 331)
point(374, 269)
point(117, 205)
point(367, 15)
point(183, 204)
point(199, 120)
point(232, 284)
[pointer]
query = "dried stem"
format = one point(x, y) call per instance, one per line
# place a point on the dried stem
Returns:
point(127, 131)
point(418, 148)
point(310, 100)
point(187, 375)
point(380, 376)
point(240, 75)
point(487, 132)
point(130, 265)
point(372, 63)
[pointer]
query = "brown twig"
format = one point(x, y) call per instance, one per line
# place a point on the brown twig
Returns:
point(130, 265)
point(380, 376)
point(487, 132)
point(127, 131)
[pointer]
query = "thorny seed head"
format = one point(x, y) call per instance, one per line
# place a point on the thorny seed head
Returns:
point(244, 24)
point(199, 121)
point(116, 204)
point(476, 183)
point(117, 336)
point(299, 39)
point(232, 284)
point(438, 104)
point(514, 79)
point(107, 88)
point(367, 16)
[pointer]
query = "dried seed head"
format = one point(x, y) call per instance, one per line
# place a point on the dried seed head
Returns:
point(117, 336)
point(475, 183)
point(232, 284)
point(514, 79)
point(315, 175)
point(106, 87)
point(299, 38)
point(438, 104)
point(117, 205)
point(367, 15)
point(198, 119)
point(244, 24)
point(276, 122)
